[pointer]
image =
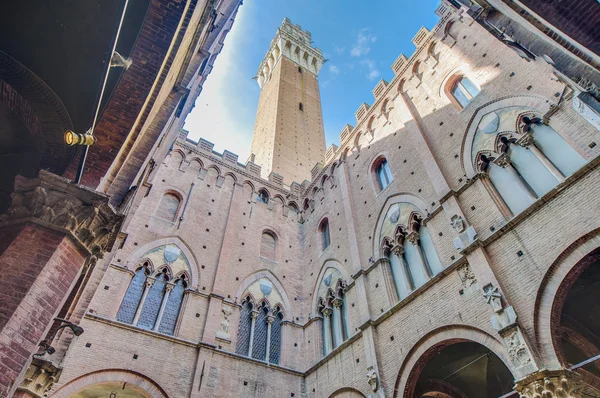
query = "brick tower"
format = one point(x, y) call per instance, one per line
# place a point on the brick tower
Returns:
point(288, 132)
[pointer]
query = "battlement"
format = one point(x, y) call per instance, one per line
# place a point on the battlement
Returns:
point(230, 159)
point(294, 43)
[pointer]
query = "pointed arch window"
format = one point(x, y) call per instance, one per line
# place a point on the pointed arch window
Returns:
point(168, 207)
point(153, 302)
point(525, 167)
point(383, 173)
point(268, 245)
point(324, 232)
point(335, 318)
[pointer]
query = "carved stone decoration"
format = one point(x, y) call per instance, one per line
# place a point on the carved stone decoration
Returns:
point(590, 87)
point(223, 331)
point(517, 350)
point(39, 378)
point(555, 384)
point(413, 238)
point(503, 161)
point(467, 277)
point(54, 201)
point(372, 378)
point(493, 297)
point(457, 223)
point(398, 250)
point(526, 141)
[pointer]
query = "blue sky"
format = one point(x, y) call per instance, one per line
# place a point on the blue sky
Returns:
point(360, 39)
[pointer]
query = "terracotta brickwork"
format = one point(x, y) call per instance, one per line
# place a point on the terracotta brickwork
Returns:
point(499, 274)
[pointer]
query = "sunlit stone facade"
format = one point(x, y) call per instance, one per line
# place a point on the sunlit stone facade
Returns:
point(447, 247)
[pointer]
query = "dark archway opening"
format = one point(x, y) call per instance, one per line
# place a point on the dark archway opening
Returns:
point(579, 328)
point(464, 369)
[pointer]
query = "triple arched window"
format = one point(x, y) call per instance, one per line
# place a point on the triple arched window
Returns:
point(153, 301)
point(525, 165)
point(412, 256)
point(259, 331)
point(332, 308)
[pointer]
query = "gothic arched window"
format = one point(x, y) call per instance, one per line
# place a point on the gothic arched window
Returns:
point(324, 231)
point(168, 207)
point(268, 245)
point(383, 173)
point(524, 165)
point(259, 332)
point(409, 248)
point(334, 313)
point(133, 295)
point(153, 300)
point(462, 90)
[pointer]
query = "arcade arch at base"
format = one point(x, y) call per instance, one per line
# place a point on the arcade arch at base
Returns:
point(567, 325)
point(347, 393)
point(123, 383)
point(456, 362)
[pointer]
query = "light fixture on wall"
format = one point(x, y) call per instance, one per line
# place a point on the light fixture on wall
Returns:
point(72, 138)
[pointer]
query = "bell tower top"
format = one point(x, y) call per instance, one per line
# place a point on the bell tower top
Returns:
point(294, 43)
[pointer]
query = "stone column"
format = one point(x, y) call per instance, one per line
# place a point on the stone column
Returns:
point(147, 286)
point(338, 333)
point(527, 142)
point(253, 315)
point(407, 284)
point(163, 305)
point(270, 319)
point(51, 229)
point(413, 238)
point(504, 162)
point(327, 330)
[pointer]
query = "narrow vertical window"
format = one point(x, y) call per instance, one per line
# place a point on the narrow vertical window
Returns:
point(263, 196)
point(384, 175)
point(244, 328)
point(325, 237)
point(301, 106)
point(268, 245)
point(168, 207)
point(131, 302)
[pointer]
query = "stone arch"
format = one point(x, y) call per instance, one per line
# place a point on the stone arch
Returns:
point(287, 305)
point(559, 277)
point(196, 164)
point(532, 103)
point(136, 256)
point(232, 175)
point(427, 346)
point(329, 263)
point(391, 200)
point(347, 392)
point(137, 381)
point(400, 86)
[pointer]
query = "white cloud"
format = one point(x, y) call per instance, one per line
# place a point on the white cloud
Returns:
point(334, 70)
point(225, 110)
point(363, 41)
point(339, 50)
point(372, 71)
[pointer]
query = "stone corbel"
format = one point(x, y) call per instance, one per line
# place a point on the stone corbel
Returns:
point(55, 202)
point(504, 320)
point(39, 378)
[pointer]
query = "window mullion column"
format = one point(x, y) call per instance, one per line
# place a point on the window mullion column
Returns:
point(413, 238)
point(253, 315)
point(337, 322)
point(327, 330)
point(163, 305)
point(147, 286)
point(270, 319)
point(527, 142)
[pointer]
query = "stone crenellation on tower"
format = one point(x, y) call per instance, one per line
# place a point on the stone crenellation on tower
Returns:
point(289, 138)
point(446, 247)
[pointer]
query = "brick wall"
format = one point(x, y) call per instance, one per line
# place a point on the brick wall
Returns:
point(39, 277)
